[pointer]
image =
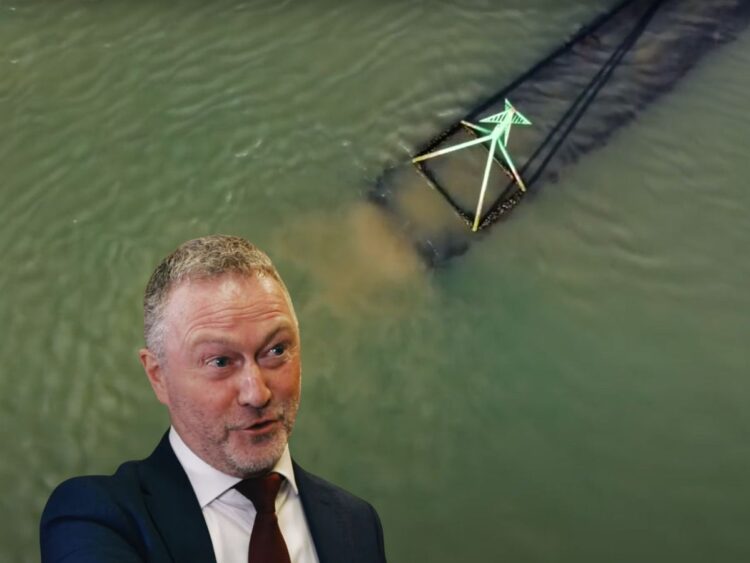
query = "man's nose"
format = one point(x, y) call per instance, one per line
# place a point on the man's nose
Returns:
point(253, 389)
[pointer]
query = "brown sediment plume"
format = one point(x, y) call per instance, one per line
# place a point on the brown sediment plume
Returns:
point(353, 260)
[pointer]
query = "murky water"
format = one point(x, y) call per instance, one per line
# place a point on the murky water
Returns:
point(575, 388)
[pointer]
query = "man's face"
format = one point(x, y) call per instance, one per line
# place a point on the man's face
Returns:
point(230, 371)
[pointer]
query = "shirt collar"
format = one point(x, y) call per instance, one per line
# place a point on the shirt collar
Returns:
point(208, 482)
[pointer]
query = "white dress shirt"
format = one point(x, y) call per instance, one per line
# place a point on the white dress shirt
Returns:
point(230, 516)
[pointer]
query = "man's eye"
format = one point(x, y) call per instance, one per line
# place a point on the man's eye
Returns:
point(219, 362)
point(277, 350)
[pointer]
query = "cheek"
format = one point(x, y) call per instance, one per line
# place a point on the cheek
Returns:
point(204, 399)
point(287, 385)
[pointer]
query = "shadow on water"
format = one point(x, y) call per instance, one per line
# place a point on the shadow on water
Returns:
point(576, 98)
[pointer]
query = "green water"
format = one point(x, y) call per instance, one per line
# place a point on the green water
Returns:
point(574, 389)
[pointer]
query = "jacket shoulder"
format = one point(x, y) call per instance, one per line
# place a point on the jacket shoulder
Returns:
point(340, 518)
point(88, 493)
point(341, 495)
point(94, 518)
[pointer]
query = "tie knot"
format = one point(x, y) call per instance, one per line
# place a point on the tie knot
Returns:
point(261, 491)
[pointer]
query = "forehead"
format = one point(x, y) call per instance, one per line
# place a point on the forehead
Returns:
point(227, 293)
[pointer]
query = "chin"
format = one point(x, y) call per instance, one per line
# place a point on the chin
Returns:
point(263, 456)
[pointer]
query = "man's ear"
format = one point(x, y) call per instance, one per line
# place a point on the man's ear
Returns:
point(155, 373)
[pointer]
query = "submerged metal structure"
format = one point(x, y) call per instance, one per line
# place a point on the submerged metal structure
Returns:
point(576, 97)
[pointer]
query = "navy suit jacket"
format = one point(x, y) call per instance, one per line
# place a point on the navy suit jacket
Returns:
point(147, 511)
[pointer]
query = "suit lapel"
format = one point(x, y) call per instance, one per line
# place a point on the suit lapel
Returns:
point(177, 515)
point(174, 509)
point(326, 517)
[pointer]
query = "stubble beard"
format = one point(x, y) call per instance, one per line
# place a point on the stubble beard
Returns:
point(249, 456)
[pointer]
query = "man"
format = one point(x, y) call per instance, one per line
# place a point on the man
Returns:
point(223, 354)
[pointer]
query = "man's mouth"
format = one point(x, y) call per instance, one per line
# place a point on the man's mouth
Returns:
point(261, 426)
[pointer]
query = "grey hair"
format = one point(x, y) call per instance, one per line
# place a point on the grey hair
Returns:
point(202, 258)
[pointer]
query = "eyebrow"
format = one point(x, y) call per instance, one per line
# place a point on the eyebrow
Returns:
point(273, 334)
point(209, 339)
point(212, 340)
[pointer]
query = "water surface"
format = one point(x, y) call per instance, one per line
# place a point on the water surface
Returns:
point(572, 389)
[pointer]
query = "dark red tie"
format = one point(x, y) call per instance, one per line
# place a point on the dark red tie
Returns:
point(267, 545)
